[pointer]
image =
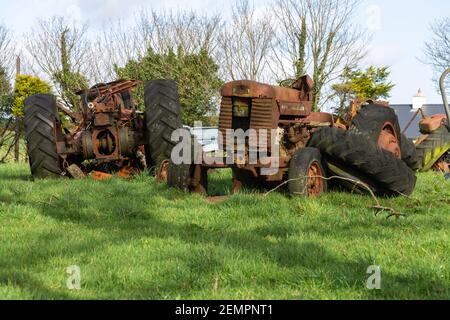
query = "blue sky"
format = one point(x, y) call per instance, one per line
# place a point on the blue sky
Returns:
point(399, 43)
point(399, 28)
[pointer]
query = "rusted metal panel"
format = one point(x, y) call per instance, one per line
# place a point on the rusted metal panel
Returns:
point(300, 108)
point(262, 118)
point(102, 119)
point(253, 89)
point(430, 124)
point(225, 119)
point(305, 85)
point(319, 119)
point(100, 176)
point(110, 88)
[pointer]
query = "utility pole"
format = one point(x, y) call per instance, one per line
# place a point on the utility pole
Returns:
point(17, 137)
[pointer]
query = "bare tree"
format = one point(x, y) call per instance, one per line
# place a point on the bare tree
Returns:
point(246, 43)
point(116, 44)
point(187, 31)
point(7, 49)
point(6, 70)
point(437, 49)
point(9, 129)
point(159, 30)
point(316, 36)
point(60, 49)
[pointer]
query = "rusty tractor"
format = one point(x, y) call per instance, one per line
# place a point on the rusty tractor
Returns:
point(433, 146)
point(308, 148)
point(109, 134)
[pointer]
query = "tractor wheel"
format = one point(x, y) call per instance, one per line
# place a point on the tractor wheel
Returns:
point(40, 117)
point(306, 173)
point(409, 153)
point(162, 117)
point(179, 175)
point(433, 148)
point(380, 125)
point(350, 155)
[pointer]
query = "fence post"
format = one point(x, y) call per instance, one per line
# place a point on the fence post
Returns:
point(17, 137)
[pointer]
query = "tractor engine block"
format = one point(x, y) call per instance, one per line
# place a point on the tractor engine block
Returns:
point(110, 127)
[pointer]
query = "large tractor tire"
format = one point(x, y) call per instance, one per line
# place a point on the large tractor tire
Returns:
point(373, 119)
point(379, 124)
point(179, 175)
point(306, 175)
point(40, 117)
point(433, 148)
point(349, 154)
point(162, 117)
point(370, 120)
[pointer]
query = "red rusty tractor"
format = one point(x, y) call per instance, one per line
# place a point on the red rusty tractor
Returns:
point(307, 147)
point(109, 133)
point(433, 146)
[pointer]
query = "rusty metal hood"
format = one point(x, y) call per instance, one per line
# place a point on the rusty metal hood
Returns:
point(253, 89)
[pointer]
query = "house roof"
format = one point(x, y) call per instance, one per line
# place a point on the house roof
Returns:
point(405, 113)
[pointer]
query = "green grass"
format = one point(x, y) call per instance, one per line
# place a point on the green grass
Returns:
point(141, 240)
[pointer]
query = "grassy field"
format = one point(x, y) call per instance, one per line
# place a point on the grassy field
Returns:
point(140, 240)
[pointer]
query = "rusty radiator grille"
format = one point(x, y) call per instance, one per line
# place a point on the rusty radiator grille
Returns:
point(225, 118)
point(261, 117)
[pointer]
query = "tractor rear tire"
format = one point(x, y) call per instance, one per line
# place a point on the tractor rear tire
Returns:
point(162, 117)
point(371, 120)
point(40, 117)
point(433, 148)
point(409, 153)
point(350, 154)
point(306, 175)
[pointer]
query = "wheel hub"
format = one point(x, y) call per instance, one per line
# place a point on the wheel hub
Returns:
point(388, 140)
point(314, 183)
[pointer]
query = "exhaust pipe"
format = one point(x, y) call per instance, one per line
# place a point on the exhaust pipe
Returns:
point(444, 95)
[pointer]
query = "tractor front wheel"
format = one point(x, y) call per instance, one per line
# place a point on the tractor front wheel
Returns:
point(306, 174)
point(183, 176)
